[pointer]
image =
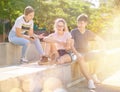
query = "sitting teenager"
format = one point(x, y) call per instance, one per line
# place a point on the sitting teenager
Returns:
point(22, 33)
point(61, 43)
point(64, 49)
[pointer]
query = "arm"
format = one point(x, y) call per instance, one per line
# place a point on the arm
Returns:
point(74, 50)
point(68, 44)
point(30, 32)
point(18, 25)
point(19, 34)
point(50, 39)
point(100, 42)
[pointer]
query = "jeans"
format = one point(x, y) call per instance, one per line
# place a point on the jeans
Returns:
point(24, 43)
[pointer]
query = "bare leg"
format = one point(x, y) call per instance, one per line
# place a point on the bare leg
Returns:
point(64, 59)
point(46, 47)
point(86, 74)
point(44, 59)
point(92, 67)
point(95, 58)
point(84, 68)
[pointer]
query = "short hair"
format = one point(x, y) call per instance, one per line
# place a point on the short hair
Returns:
point(28, 10)
point(82, 17)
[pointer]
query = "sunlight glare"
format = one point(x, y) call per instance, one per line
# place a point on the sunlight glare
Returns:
point(113, 80)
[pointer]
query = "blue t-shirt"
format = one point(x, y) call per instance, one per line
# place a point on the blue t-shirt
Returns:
point(81, 39)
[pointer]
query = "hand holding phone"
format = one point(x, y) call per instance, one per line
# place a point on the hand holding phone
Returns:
point(32, 37)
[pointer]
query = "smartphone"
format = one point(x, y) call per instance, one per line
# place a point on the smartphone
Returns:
point(32, 37)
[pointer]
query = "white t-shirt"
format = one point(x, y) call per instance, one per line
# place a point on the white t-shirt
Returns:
point(62, 38)
point(20, 23)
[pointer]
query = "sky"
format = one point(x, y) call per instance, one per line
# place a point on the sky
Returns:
point(95, 2)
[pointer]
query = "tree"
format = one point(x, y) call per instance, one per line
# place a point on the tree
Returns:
point(46, 11)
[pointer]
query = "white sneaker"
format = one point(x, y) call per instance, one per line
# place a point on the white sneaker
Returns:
point(91, 84)
point(24, 60)
point(95, 78)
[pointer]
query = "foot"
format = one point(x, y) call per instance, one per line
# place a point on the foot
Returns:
point(43, 61)
point(95, 78)
point(23, 60)
point(91, 84)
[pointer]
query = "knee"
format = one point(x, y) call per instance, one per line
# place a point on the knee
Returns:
point(80, 59)
point(27, 43)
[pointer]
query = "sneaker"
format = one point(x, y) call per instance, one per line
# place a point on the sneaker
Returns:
point(44, 60)
point(91, 84)
point(95, 78)
point(24, 60)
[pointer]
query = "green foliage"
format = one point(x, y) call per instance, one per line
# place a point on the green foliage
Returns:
point(11, 9)
point(99, 20)
point(46, 11)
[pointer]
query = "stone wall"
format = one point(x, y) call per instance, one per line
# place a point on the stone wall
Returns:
point(10, 54)
point(31, 77)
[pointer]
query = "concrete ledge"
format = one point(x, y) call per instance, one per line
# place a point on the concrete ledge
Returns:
point(31, 77)
point(10, 54)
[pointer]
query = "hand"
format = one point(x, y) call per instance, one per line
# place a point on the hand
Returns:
point(41, 36)
point(31, 38)
point(78, 55)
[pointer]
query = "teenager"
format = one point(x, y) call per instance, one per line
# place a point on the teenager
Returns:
point(22, 33)
point(81, 37)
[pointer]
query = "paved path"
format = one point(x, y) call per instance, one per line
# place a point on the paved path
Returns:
point(110, 84)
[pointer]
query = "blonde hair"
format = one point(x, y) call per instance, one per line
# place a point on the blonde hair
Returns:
point(60, 20)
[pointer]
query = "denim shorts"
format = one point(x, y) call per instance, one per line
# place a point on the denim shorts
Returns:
point(63, 52)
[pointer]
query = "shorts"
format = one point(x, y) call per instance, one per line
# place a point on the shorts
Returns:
point(63, 52)
point(73, 56)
